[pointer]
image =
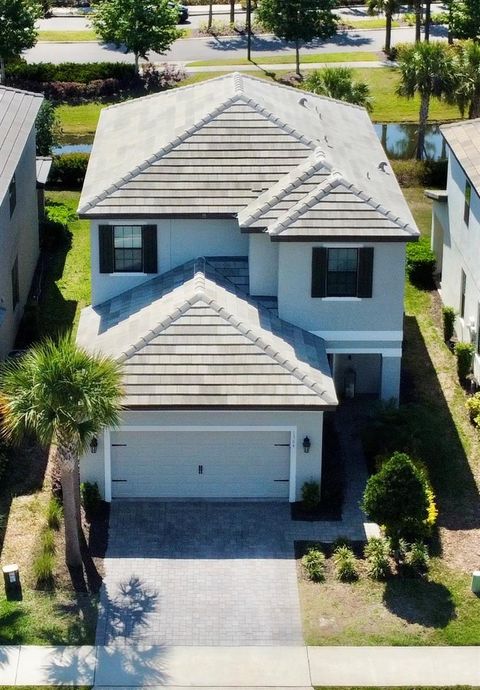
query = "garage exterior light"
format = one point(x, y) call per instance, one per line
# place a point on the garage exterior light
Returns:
point(306, 444)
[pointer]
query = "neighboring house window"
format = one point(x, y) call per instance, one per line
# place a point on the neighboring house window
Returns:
point(15, 287)
point(463, 290)
point(12, 194)
point(468, 201)
point(342, 272)
point(128, 248)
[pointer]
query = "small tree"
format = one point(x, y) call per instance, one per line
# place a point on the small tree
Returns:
point(138, 25)
point(338, 82)
point(17, 29)
point(466, 93)
point(464, 19)
point(397, 497)
point(48, 129)
point(298, 21)
point(388, 7)
point(425, 69)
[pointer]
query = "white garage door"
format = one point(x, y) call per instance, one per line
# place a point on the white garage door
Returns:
point(200, 464)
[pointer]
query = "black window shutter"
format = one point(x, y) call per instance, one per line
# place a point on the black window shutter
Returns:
point(105, 241)
point(365, 272)
point(149, 245)
point(319, 271)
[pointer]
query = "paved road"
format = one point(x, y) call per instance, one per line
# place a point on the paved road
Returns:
point(228, 47)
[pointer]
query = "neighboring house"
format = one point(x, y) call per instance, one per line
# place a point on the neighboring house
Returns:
point(19, 242)
point(456, 231)
point(248, 255)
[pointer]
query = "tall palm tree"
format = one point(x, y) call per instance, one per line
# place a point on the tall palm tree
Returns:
point(466, 93)
point(388, 7)
point(338, 82)
point(61, 393)
point(426, 69)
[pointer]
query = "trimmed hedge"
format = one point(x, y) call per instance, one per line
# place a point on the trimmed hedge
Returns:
point(82, 73)
point(420, 263)
point(448, 317)
point(421, 173)
point(68, 170)
point(464, 354)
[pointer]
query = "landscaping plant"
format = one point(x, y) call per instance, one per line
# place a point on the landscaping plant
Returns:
point(417, 557)
point(91, 499)
point(345, 564)
point(377, 554)
point(396, 497)
point(54, 513)
point(473, 407)
point(339, 83)
point(421, 263)
point(448, 318)
point(311, 495)
point(314, 564)
point(464, 354)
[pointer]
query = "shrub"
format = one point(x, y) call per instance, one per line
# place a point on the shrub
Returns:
point(417, 557)
point(43, 566)
point(396, 497)
point(54, 513)
point(311, 495)
point(464, 354)
point(47, 541)
point(377, 554)
point(314, 564)
point(420, 263)
point(68, 170)
point(155, 79)
point(4, 461)
point(421, 173)
point(345, 564)
point(473, 407)
point(390, 429)
point(448, 317)
point(82, 73)
point(91, 499)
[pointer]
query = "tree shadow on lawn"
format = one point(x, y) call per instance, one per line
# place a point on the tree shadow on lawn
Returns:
point(434, 432)
point(267, 44)
point(56, 313)
point(420, 601)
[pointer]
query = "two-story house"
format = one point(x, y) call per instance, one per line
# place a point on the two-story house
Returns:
point(456, 231)
point(19, 243)
point(248, 257)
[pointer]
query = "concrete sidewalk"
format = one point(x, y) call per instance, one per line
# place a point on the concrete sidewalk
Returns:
point(234, 667)
point(289, 66)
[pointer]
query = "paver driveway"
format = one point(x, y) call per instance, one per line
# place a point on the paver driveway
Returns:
point(201, 573)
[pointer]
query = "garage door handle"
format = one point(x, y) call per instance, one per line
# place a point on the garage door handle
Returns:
point(119, 480)
point(281, 480)
point(119, 445)
point(283, 445)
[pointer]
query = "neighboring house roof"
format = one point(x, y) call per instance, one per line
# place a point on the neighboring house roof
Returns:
point(192, 338)
point(221, 146)
point(44, 163)
point(18, 111)
point(464, 140)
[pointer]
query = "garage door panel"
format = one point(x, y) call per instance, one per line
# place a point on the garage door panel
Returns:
point(203, 464)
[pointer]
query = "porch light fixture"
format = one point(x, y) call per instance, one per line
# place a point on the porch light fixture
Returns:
point(93, 444)
point(306, 444)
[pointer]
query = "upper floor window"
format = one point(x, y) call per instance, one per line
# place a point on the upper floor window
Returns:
point(128, 248)
point(468, 201)
point(15, 285)
point(12, 194)
point(342, 272)
point(463, 292)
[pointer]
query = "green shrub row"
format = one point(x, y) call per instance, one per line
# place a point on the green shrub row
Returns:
point(421, 173)
point(82, 73)
point(421, 263)
point(68, 170)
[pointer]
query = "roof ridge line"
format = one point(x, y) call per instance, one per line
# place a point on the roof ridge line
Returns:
point(24, 92)
point(165, 149)
point(308, 167)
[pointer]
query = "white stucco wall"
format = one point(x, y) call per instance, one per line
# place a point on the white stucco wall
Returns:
point(263, 265)
point(178, 241)
point(18, 236)
point(308, 424)
point(461, 250)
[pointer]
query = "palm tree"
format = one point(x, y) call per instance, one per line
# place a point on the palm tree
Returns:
point(466, 92)
point(426, 69)
point(389, 7)
point(61, 393)
point(337, 82)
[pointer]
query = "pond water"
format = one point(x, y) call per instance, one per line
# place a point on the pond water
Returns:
point(398, 139)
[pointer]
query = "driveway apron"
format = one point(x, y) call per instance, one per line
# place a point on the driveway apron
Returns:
point(200, 573)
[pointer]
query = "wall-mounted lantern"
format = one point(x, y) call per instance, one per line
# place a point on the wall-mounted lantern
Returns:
point(306, 444)
point(93, 444)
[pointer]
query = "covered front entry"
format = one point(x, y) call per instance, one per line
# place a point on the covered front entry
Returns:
point(187, 462)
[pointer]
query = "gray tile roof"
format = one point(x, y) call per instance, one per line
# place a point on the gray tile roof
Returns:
point(464, 140)
point(218, 146)
point(44, 164)
point(18, 111)
point(193, 338)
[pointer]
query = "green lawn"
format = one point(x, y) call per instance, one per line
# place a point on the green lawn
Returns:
point(357, 56)
point(79, 120)
point(372, 23)
point(67, 36)
point(67, 288)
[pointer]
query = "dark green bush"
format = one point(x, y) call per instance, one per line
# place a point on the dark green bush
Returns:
point(4, 460)
point(464, 354)
point(420, 263)
point(448, 317)
point(421, 173)
point(314, 564)
point(311, 495)
point(91, 499)
point(82, 73)
point(68, 170)
point(346, 566)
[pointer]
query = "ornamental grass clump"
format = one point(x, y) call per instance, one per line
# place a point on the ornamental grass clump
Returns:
point(377, 555)
point(345, 564)
point(314, 564)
